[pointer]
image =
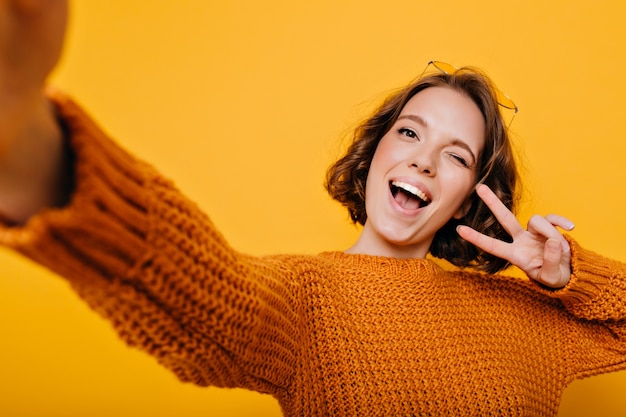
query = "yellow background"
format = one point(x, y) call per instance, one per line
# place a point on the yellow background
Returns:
point(244, 103)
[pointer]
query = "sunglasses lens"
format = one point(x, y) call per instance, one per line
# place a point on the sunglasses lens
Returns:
point(505, 101)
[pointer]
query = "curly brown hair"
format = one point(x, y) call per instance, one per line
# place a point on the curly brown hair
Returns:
point(346, 178)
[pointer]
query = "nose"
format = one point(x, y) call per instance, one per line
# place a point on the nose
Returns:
point(423, 161)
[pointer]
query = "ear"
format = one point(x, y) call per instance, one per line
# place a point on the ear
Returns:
point(462, 211)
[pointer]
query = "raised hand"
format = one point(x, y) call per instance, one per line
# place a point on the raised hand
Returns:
point(540, 250)
point(32, 155)
point(31, 38)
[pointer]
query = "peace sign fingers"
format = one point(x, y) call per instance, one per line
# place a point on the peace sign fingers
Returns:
point(540, 251)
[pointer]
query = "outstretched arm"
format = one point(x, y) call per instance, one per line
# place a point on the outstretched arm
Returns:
point(34, 168)
point(540, 250)
point(130, 244)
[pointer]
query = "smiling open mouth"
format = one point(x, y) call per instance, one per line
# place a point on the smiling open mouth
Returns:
point(408, 196)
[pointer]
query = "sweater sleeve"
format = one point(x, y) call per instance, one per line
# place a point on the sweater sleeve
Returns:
point(597, 288)
point(147, 259)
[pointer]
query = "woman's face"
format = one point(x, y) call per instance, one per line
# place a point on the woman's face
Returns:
point(422, 173)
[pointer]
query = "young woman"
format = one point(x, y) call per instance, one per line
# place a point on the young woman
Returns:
point(375, 330)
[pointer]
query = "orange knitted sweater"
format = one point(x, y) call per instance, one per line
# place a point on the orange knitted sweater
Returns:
point(331, 334)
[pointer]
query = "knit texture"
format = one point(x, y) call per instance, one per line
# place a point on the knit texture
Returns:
point(330, 334)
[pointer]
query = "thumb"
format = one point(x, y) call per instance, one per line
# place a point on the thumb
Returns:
point(550, 273)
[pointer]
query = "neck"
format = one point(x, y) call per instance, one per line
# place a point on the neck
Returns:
point(370, 243)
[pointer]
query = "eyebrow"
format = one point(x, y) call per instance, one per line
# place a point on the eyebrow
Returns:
point(455, 142)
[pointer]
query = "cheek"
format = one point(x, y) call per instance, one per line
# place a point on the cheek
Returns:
point(374, 183)
point(380, 162)
point(460, 186)
point(456, 177)
point(387, 156)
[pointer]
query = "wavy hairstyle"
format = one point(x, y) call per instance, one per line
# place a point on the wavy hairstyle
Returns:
point(346, 178)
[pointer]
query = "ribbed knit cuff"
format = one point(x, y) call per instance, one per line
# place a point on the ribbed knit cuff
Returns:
point(591, 276)
point(100, 232)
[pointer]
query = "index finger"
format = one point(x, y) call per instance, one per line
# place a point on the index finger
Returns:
point(504, 216)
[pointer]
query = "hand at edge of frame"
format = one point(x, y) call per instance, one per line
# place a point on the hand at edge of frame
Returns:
point(32, 150)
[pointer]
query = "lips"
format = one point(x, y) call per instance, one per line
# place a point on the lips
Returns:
point(408, 196)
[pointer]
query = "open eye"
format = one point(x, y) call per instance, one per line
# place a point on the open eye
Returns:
point(409, 133)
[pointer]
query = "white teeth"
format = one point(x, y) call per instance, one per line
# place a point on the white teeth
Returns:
point(410, 189)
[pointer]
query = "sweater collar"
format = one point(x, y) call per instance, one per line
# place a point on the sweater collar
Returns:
point(385, 265)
